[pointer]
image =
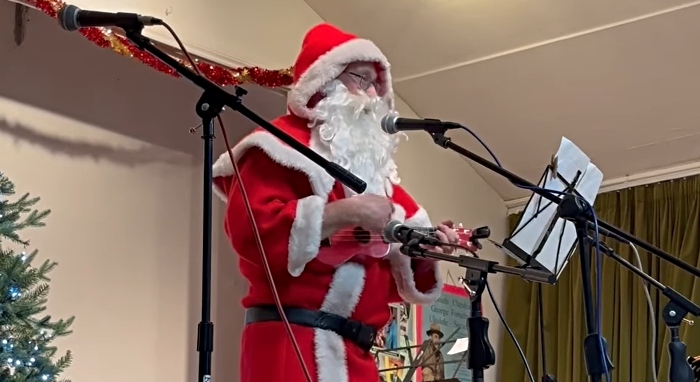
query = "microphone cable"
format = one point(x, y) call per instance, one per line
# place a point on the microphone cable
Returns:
point(599, 268)
point(251, 218)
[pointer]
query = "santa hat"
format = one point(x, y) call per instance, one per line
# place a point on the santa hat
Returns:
point(325, 53)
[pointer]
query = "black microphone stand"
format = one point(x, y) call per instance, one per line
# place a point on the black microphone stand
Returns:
point(673, 314)
point(481, 354)
point(576, 209)
point(545, 376)
point(209, 106)
point(594, 345)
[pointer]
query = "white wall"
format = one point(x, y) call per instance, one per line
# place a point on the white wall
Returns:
point(104, 141)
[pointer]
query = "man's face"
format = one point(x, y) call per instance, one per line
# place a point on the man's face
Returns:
point(361, 77)
point(435, 338)
point(348, 127)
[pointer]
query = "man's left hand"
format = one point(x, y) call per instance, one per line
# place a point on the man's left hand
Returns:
point(446, 234)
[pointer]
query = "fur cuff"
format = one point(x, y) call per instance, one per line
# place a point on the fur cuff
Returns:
point(403, 272)
point(305, 237)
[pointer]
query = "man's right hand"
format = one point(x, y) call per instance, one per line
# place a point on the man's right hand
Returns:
point(373, 212)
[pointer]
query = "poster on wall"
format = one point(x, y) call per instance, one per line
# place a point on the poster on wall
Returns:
point(392, 347)
point(445, 320)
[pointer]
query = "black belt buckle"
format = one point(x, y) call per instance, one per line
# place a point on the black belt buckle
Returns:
point(362, 335)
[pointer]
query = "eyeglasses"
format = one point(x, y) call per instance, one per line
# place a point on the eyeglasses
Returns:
point(363, 82)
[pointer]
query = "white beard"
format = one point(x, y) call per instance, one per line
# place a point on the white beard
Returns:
point(347, 127)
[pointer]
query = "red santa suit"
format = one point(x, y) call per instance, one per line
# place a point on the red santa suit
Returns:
point(288, 194)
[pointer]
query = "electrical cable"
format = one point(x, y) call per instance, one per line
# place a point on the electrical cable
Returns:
point(510, 333)
point(540, 321)
point(251, 218)
point(598, 290)
point(488, 287)
point(652, 314)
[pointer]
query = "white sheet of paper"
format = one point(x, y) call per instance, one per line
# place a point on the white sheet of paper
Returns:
point(460, 346)
point(553, 256)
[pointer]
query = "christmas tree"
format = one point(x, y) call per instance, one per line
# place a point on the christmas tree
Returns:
point(26, 354)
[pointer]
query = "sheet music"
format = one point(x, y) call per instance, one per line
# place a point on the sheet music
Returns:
point(533, 231)
point(460, 346)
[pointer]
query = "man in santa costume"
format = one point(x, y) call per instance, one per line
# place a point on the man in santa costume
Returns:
point(342, 88)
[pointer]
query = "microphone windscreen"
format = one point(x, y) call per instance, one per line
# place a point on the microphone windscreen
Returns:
point(389, 124)
point(68, 17)
point(390, 230)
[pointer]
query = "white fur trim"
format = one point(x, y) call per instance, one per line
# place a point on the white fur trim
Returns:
point(342, 299)
point(329, 66)
point(419, 219)
point(305, 237)
point(403, 273)
point(321, 182)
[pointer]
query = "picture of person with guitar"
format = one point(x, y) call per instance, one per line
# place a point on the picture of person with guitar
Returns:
point(330, 271)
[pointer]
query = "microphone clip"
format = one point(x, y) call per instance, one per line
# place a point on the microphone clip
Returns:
point(412, 248)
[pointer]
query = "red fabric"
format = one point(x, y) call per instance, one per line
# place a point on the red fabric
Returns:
point(318, 41)
point(274, 192)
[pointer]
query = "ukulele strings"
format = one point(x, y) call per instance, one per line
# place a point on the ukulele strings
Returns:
point(352, 238)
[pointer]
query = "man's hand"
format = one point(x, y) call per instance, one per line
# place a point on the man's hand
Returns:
point(445, 234)
point(373, 212)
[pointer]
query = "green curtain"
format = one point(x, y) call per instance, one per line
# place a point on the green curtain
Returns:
point(666, 215)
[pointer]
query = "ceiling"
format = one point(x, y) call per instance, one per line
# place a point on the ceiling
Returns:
point(620, 79)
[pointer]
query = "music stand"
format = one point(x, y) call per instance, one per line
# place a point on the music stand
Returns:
point(575, 208)
point(541, 239)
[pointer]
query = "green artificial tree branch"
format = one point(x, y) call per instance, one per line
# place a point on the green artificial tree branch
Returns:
point(26, 353)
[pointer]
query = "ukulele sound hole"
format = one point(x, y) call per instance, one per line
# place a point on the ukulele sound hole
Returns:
point(361, 235)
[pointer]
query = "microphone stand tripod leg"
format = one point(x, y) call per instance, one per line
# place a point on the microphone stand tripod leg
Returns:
point(481, 354)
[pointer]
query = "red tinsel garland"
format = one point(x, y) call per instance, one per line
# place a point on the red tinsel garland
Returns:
point(217, 74)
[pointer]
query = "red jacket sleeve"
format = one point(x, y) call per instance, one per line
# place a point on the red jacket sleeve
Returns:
point(286, 212)
point(417, 281)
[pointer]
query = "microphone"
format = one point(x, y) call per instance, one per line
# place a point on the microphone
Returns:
point(72, 18)
point(395, 232)
point(392, 124)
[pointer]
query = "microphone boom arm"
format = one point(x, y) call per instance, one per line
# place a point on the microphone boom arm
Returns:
point(675, 310)
point(221, 98)
point(607, 229)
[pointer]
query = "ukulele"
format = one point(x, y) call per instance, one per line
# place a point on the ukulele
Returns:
point(357, 241)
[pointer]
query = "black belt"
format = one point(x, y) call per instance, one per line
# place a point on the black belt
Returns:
point(360, 334)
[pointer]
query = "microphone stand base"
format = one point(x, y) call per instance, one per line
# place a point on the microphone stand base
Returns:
point(679, 368)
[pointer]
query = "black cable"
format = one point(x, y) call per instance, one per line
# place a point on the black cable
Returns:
point(488, 288)
point(510, 333)
point(540, 318)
